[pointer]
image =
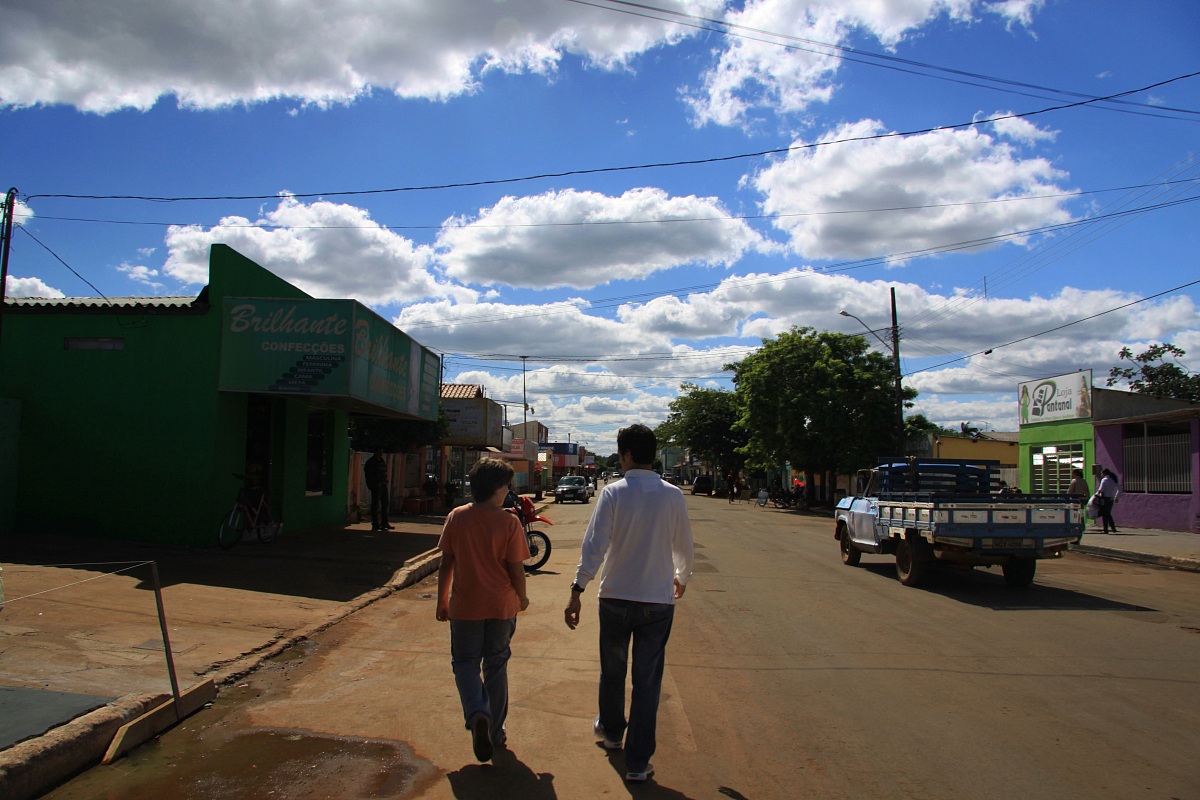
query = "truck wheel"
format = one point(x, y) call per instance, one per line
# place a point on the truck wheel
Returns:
point(911, 569)
point(851, 555)
point(1018, 572)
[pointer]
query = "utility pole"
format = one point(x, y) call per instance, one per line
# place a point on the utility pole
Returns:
point(894, 346)
point(901, 439)
point(10, 203)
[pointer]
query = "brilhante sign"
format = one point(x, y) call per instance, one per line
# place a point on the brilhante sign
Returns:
point(1064, 397)
point(326, 348)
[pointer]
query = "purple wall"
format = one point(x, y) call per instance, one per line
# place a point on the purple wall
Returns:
point(1171, 512)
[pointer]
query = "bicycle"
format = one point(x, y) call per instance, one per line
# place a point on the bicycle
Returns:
point(249, 513)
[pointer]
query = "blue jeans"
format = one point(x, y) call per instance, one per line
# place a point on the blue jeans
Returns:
point(476, 643)
point(649, 625)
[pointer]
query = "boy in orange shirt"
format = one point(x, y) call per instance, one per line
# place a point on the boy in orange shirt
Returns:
point(481, 589)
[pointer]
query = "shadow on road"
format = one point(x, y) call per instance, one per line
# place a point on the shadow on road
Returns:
point(506, 778)
point(987, 589)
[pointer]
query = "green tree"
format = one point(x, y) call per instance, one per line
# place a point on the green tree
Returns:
point(919, 424)
point(823, 401)
point(704, 421)
point(1155, 376)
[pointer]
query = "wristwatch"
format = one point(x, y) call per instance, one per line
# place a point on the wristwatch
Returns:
point(575, 587)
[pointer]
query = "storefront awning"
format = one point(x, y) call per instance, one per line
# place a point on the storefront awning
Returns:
point(338, 353)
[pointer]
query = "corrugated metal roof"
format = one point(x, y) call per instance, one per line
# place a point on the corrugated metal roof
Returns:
point(461, 391)
point(99, 302)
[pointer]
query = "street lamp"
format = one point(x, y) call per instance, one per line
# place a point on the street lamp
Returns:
point(894, 347)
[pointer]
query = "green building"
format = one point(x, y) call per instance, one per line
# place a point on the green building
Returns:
point(130, 417)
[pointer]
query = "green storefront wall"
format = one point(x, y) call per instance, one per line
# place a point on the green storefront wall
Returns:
point(138, 442)
point(1054, 433)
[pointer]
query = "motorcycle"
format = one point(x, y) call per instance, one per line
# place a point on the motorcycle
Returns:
point(794, 498)
point(535, 538)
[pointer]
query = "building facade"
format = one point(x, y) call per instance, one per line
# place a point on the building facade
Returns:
point(131, 417)
point(1150, 443)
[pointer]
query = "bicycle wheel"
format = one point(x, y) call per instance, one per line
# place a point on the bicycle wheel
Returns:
point(232, 527)
point(539, 549)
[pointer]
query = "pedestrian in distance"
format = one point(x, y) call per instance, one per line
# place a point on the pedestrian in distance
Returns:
point(1106, 496)
point(641, 535)
point(375, 471)
point(481, 589)
point(1078, 490)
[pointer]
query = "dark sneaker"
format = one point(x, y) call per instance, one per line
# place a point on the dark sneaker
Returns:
point(640, 776)
point(481, 738)
point(608, 744)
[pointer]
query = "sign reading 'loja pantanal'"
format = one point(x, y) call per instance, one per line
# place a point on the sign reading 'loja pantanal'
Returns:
point(326, 348)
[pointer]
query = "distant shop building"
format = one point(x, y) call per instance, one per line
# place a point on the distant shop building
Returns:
point(1150, 443)
point(130, 417)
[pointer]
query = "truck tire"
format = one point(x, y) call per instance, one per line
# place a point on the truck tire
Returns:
point(1019, 572)
point(911, 567)
point(851, 555)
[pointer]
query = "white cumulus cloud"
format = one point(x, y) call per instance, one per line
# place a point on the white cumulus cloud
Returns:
point(327, 249)
point(30, 287)
point(102, 56)
point(584, 239)
point(947, 187)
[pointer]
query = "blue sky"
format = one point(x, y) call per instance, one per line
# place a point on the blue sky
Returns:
point(476, 170)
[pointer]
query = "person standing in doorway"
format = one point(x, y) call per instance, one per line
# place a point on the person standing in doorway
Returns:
point(375, 471)
point(1078, 490)
point(481, 589)
point(641, 535)
point(1106, 495)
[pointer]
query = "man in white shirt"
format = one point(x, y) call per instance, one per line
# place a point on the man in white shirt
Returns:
point(640, 524)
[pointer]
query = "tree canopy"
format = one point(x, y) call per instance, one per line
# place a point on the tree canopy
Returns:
point(703, 420)
point(822, 400)
point(1154, 375)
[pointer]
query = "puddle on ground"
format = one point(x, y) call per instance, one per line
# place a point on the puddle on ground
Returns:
point(254, 764)
point(214, 755)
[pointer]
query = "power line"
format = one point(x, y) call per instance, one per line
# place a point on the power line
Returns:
point(845, 266)
point(634, 167)
point(1057, 328)
point(1045, 253)
point(588, 223)
point(730, 28)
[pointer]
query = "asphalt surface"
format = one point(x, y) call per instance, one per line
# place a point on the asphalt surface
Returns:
point(81, 649)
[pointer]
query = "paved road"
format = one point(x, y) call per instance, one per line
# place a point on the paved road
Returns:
point(789, 675)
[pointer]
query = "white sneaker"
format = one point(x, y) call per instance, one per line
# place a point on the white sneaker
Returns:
point(609, 744)
point(639, 777)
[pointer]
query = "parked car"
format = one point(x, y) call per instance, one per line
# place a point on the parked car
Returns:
point(572, 487)
point(703, 485)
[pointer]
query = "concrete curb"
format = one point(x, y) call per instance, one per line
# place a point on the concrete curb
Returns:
point(31, 768)
point(1186, 564)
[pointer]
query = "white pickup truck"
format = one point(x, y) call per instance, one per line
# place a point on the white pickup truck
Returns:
point(941, 510)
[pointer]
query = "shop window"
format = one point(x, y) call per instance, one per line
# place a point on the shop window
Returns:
point(1158, 458)
point(1050, 470)
point(318, 475)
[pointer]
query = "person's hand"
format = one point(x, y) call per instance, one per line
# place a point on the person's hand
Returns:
point(443, 612)
point(572, 611)
point(524, 603)
point(680, 588)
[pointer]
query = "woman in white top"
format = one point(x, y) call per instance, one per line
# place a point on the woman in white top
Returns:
point(1106, 496)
